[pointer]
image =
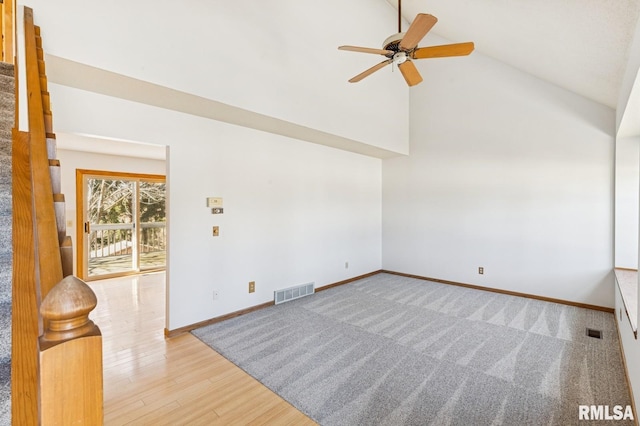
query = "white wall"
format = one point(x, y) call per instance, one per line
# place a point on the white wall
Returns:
point(294, 212)
point(627, 201)
point(277, 58)
point(72, 160)
point(508, 173)
point(626, 111)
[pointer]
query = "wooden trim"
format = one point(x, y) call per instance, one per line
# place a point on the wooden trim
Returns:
point(25, 324)
point(47, 247)
point(8, 30)
point(328, 286)
point(145, 176)
point(124, 274)
point(508, 292)
point(187, 328)
point(626, 370)
point(79, 227)
point(625, 269)
point(80, 235)
point(16, 84)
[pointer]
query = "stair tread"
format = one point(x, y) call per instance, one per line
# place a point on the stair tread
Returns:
point(7, 80)
point(7, 69)
point(5, 234)
point(5, 206)
point(6, 259)
point(5, 165)
point(5, 147)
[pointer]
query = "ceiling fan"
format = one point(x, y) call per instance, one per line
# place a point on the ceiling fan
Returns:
point(402, 48)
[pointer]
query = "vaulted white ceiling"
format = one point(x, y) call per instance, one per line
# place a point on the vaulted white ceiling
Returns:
point(288, 53)
point(580, 45)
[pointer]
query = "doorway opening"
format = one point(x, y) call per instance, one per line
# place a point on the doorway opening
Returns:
point(123, 217)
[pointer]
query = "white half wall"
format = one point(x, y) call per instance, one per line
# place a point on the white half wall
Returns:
point(630, 346)
point(294, 212)
point(627, 201)
point(508, 173)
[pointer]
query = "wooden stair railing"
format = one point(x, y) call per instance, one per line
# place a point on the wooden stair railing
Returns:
point(56, 350)
point(7, 22)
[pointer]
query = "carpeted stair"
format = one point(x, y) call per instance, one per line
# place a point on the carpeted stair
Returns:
point(7, 112)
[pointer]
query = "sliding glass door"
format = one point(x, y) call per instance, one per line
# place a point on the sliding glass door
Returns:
point(123, 224)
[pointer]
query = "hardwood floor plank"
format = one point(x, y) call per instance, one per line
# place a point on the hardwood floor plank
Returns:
point(193, 415)
point(156, 417)
point(149, 379)
point(270, 416)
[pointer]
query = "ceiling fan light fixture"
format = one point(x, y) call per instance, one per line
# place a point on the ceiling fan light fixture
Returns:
point(400, 58)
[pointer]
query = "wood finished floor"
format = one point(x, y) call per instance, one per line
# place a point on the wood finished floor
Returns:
point(180, 381)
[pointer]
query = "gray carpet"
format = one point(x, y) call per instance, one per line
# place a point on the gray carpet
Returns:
point(399, 351)
point(7, 106)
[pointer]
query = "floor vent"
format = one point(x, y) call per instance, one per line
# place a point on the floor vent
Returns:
point(596, 334)
point(292, 293)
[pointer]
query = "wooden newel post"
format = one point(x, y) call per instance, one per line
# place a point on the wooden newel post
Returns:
point(70, 357)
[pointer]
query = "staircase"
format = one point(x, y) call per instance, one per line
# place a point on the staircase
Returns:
point(7, 112)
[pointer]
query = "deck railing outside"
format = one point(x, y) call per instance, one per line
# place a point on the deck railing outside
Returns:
point(118, 239)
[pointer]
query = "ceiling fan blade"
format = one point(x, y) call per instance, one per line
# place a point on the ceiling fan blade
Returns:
point(366, 50)
point(418, 29)
point(458, 49)
point(410, 73)
point(370, 71)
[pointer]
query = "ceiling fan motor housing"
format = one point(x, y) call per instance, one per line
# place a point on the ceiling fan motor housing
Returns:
point(393, 42)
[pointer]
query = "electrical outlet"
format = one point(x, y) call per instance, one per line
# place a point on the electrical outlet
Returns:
point(481, 270)
point(252, 286)
point(216, 294)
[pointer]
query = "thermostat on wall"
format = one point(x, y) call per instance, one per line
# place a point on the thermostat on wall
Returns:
point(214, 202)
